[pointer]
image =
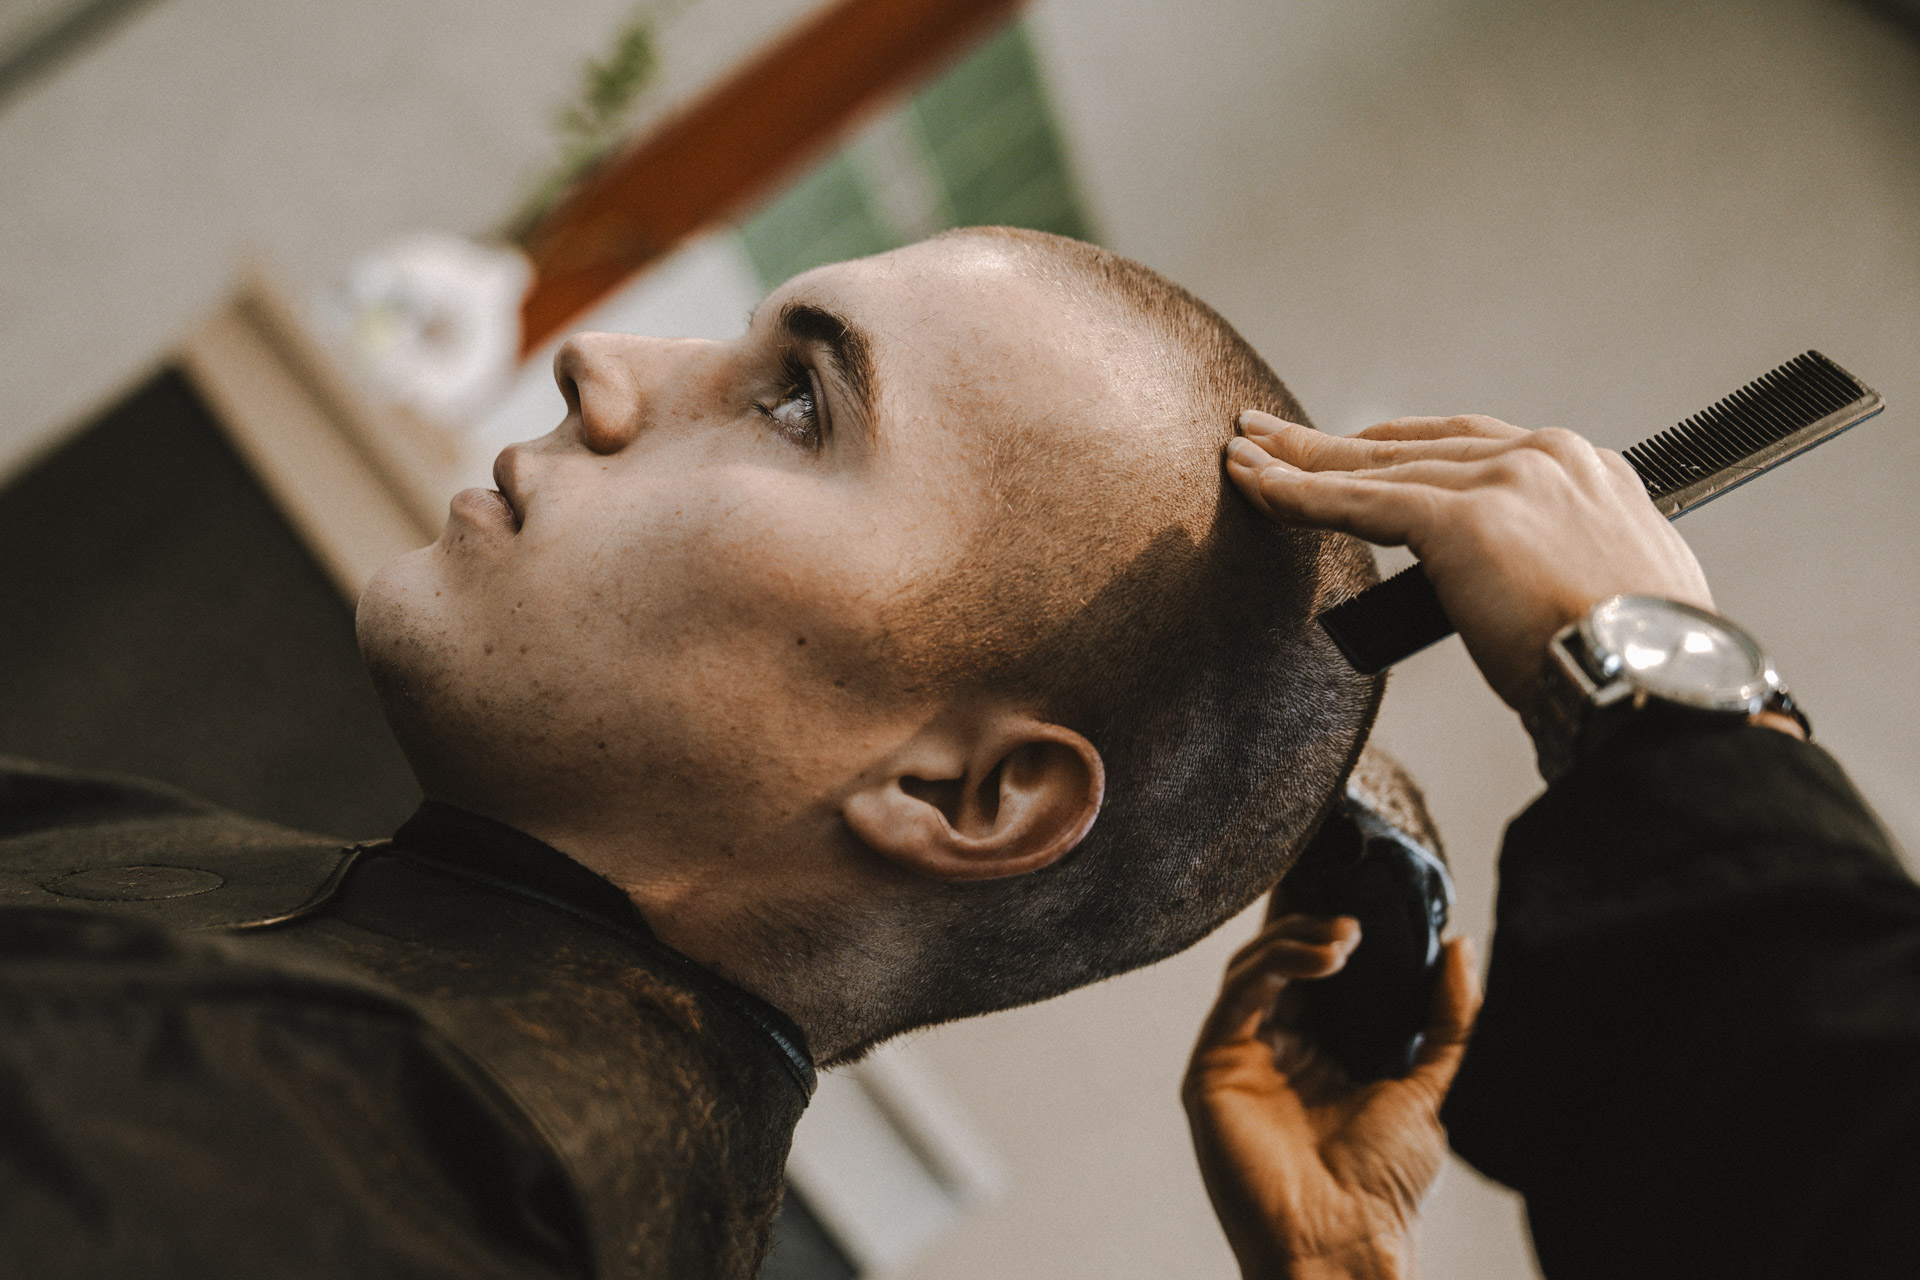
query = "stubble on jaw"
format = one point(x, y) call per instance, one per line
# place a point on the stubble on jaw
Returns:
point(409, 665)
point(429, 670)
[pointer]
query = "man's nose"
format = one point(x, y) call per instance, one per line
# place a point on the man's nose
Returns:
point(613, 383)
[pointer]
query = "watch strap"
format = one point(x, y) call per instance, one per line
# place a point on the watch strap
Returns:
point(1782, 703)
point(1564, 703)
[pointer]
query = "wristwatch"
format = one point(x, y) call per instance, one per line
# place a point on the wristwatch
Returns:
point(1637, 656)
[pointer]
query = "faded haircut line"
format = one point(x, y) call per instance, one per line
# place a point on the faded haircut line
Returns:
point(1174, 629)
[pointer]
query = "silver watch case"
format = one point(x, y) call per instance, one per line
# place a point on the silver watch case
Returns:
point(1595, 678)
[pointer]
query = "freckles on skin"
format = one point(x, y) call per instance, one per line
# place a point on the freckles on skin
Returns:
point(673, 618)
point(710, 603)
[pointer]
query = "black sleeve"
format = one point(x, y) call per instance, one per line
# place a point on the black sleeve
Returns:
point(168, 1109)
point(1700, 1049)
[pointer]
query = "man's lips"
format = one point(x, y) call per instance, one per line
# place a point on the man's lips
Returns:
point(503, 480)
point(486, 507)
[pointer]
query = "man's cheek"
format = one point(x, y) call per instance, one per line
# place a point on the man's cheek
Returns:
point(744, 564)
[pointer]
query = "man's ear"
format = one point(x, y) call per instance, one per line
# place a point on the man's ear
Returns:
point(980, 796)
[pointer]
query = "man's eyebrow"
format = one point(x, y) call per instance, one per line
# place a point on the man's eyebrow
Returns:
point(803, 322)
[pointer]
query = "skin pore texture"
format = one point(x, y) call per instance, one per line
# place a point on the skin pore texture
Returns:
point(669, 645)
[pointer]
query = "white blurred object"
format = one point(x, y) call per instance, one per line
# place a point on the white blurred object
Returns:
point(888, 1162)
point(432, 323)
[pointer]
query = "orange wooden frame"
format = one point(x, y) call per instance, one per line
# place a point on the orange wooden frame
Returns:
point(737, 140)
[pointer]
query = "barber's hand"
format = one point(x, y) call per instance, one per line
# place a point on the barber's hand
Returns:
point(1313, 1176)
point(1520, 531)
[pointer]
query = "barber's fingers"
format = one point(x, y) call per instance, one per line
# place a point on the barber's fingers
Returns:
point(1477, 425)
point(1384, 512)
point(1456, 1002)
point(1290, 948)
point(1489, 439)
point(1312, 450)
point(1294, 926)
point(1393, 503)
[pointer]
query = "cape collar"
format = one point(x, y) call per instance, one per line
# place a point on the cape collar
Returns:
point(511, 861)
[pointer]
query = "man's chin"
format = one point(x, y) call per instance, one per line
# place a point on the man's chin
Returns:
point(382, 609)
point(401, 626)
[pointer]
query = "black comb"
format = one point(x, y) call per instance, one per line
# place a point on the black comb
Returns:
point(1806, 401)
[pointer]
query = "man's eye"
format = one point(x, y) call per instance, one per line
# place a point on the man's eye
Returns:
point(796, 417)
point(797, 411)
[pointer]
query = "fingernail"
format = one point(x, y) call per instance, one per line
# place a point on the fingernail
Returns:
point(1260, 422)
point(1246, 452)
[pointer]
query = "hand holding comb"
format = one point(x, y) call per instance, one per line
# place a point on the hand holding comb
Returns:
point(1805, 402)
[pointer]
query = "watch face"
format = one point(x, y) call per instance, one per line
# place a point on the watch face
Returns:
point(1678, 653)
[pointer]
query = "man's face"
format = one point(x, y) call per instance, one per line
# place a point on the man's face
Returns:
point(674, 615)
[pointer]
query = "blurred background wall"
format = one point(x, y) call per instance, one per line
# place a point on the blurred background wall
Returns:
point(1599, 214)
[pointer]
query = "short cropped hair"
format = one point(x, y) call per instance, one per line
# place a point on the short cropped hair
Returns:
point(1226, 720)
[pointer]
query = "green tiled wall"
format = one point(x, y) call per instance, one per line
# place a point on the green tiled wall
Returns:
point(986, 139)
point(827, 216)
point(993, 144)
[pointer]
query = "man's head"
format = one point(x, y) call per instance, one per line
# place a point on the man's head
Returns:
point(905, 657)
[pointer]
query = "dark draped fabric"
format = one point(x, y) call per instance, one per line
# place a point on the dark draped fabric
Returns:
point(468, 1057)
point(1700, 1049)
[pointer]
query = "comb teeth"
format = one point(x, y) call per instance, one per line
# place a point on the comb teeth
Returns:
point(1791, 398)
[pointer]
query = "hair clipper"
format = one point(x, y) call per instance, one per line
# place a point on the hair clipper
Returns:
point(1370, 1016)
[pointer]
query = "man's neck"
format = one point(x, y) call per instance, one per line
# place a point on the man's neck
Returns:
point(512, 862)
point(833, 972)
point(745, 915)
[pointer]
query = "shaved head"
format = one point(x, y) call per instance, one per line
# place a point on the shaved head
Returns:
point(905, 656)
point(1120, 584)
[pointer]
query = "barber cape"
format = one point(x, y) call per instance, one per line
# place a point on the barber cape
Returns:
point(230, 1049)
